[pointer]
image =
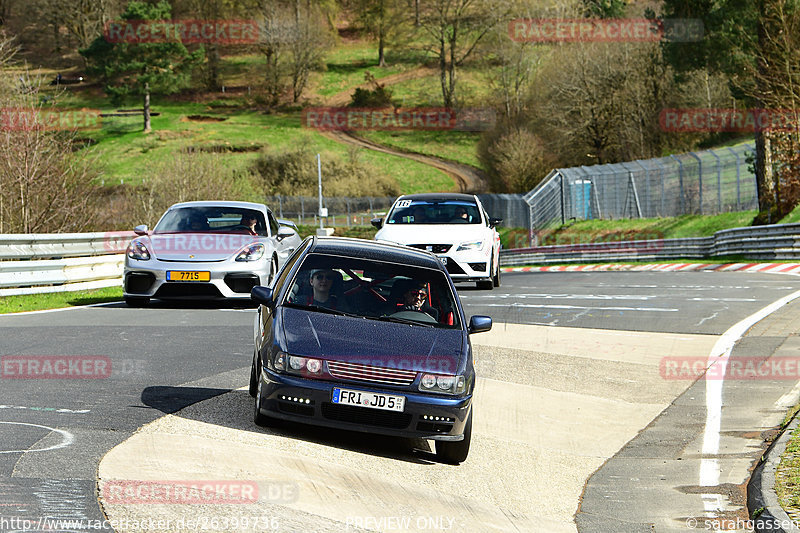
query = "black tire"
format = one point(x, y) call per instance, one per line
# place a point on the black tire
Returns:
point(136, 302)
point(485, 284)
point(496, 277)
point(254, 375)
point(258, 418)
point(455, 452)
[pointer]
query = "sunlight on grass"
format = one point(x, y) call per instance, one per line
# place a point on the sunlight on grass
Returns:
point(56, 300)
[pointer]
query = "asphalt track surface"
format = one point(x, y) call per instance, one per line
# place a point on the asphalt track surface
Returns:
point(54, 432)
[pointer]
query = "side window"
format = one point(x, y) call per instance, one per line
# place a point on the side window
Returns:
point(273, 224)
point(289, 265)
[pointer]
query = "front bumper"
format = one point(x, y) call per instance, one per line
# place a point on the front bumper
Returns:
point(468, 266)
point(309, 401)
point(229, 279)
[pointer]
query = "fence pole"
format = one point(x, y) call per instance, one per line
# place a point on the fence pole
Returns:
point(680, 183)
point(738, 179)
point(280, 206)
point(699, 178)
point(302, 209)
point(347, 201)
point(563, 201)
point(719, 181)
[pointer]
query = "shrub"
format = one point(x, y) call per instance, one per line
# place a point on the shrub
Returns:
point(294, 173)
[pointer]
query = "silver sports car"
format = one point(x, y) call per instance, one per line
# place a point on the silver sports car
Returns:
point(207, 250)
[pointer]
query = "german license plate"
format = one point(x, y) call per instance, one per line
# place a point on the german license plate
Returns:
point(188, 275)
point(373, 400)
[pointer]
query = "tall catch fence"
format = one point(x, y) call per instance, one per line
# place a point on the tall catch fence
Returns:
point(707, 182)
point(357, 211)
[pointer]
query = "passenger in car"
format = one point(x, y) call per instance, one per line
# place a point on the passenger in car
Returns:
point(323, 293)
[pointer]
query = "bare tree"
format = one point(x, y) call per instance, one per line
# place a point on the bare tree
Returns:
point(454, 29)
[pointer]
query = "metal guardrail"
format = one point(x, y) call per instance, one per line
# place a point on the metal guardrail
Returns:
point(773, 242)
point(61, 262)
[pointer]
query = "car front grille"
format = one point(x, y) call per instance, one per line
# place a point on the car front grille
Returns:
point(365, 416)
point(435, 248)
point(373, 374)
point(187, 290)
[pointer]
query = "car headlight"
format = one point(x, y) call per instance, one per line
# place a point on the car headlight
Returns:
point(442, 384)
point(252, 252)
point(137, 250)
point(472, 245)
point(306, 366)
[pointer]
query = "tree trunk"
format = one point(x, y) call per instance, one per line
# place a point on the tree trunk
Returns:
point(146, 108)
point(765, 183)
point(381, 43)
point(212, 72)
point(764, 175)
point(416, 13)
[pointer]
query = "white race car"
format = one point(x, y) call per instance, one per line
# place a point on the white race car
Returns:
point(455, 227)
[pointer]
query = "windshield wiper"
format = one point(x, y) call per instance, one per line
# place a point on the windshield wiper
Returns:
point(399, 320)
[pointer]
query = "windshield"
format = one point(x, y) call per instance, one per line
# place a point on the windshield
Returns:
point(375, 290)
point(434, 212)
point(213, 220)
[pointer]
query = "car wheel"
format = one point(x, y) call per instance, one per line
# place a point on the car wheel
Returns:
point(136, 302)
point(455, 452)
point(486, 284)
point(496, 277)
point(254, 373)
point(258, 418)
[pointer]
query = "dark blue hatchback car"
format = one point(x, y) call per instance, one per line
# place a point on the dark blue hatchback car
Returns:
point(366, 336)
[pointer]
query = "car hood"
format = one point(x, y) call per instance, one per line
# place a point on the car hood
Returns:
point(432, 233)
point(197, 246)
point(373, 342)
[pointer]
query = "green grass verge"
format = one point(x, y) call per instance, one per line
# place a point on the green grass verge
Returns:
point(57, 300)
point(459, 146)
point(586, 231)
point(787, 476)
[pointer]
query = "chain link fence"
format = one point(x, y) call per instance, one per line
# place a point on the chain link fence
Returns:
point(355, 211)
point(342, 211)
point(706, 183)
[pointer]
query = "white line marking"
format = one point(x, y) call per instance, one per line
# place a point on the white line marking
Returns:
point(21, 313)
point(789, 399)
point(709, 468)
point(67, 438)
point(514, 304)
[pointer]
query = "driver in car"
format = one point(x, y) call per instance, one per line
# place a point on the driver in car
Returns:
point(415, 298)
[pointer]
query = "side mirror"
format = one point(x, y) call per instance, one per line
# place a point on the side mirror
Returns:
point(377, 222)
point(479, 323)
point(283, 232)
point(262, 295)
point(140, 230)
point(494, 222)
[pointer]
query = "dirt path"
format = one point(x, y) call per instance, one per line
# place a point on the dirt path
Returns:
point(468, 179)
